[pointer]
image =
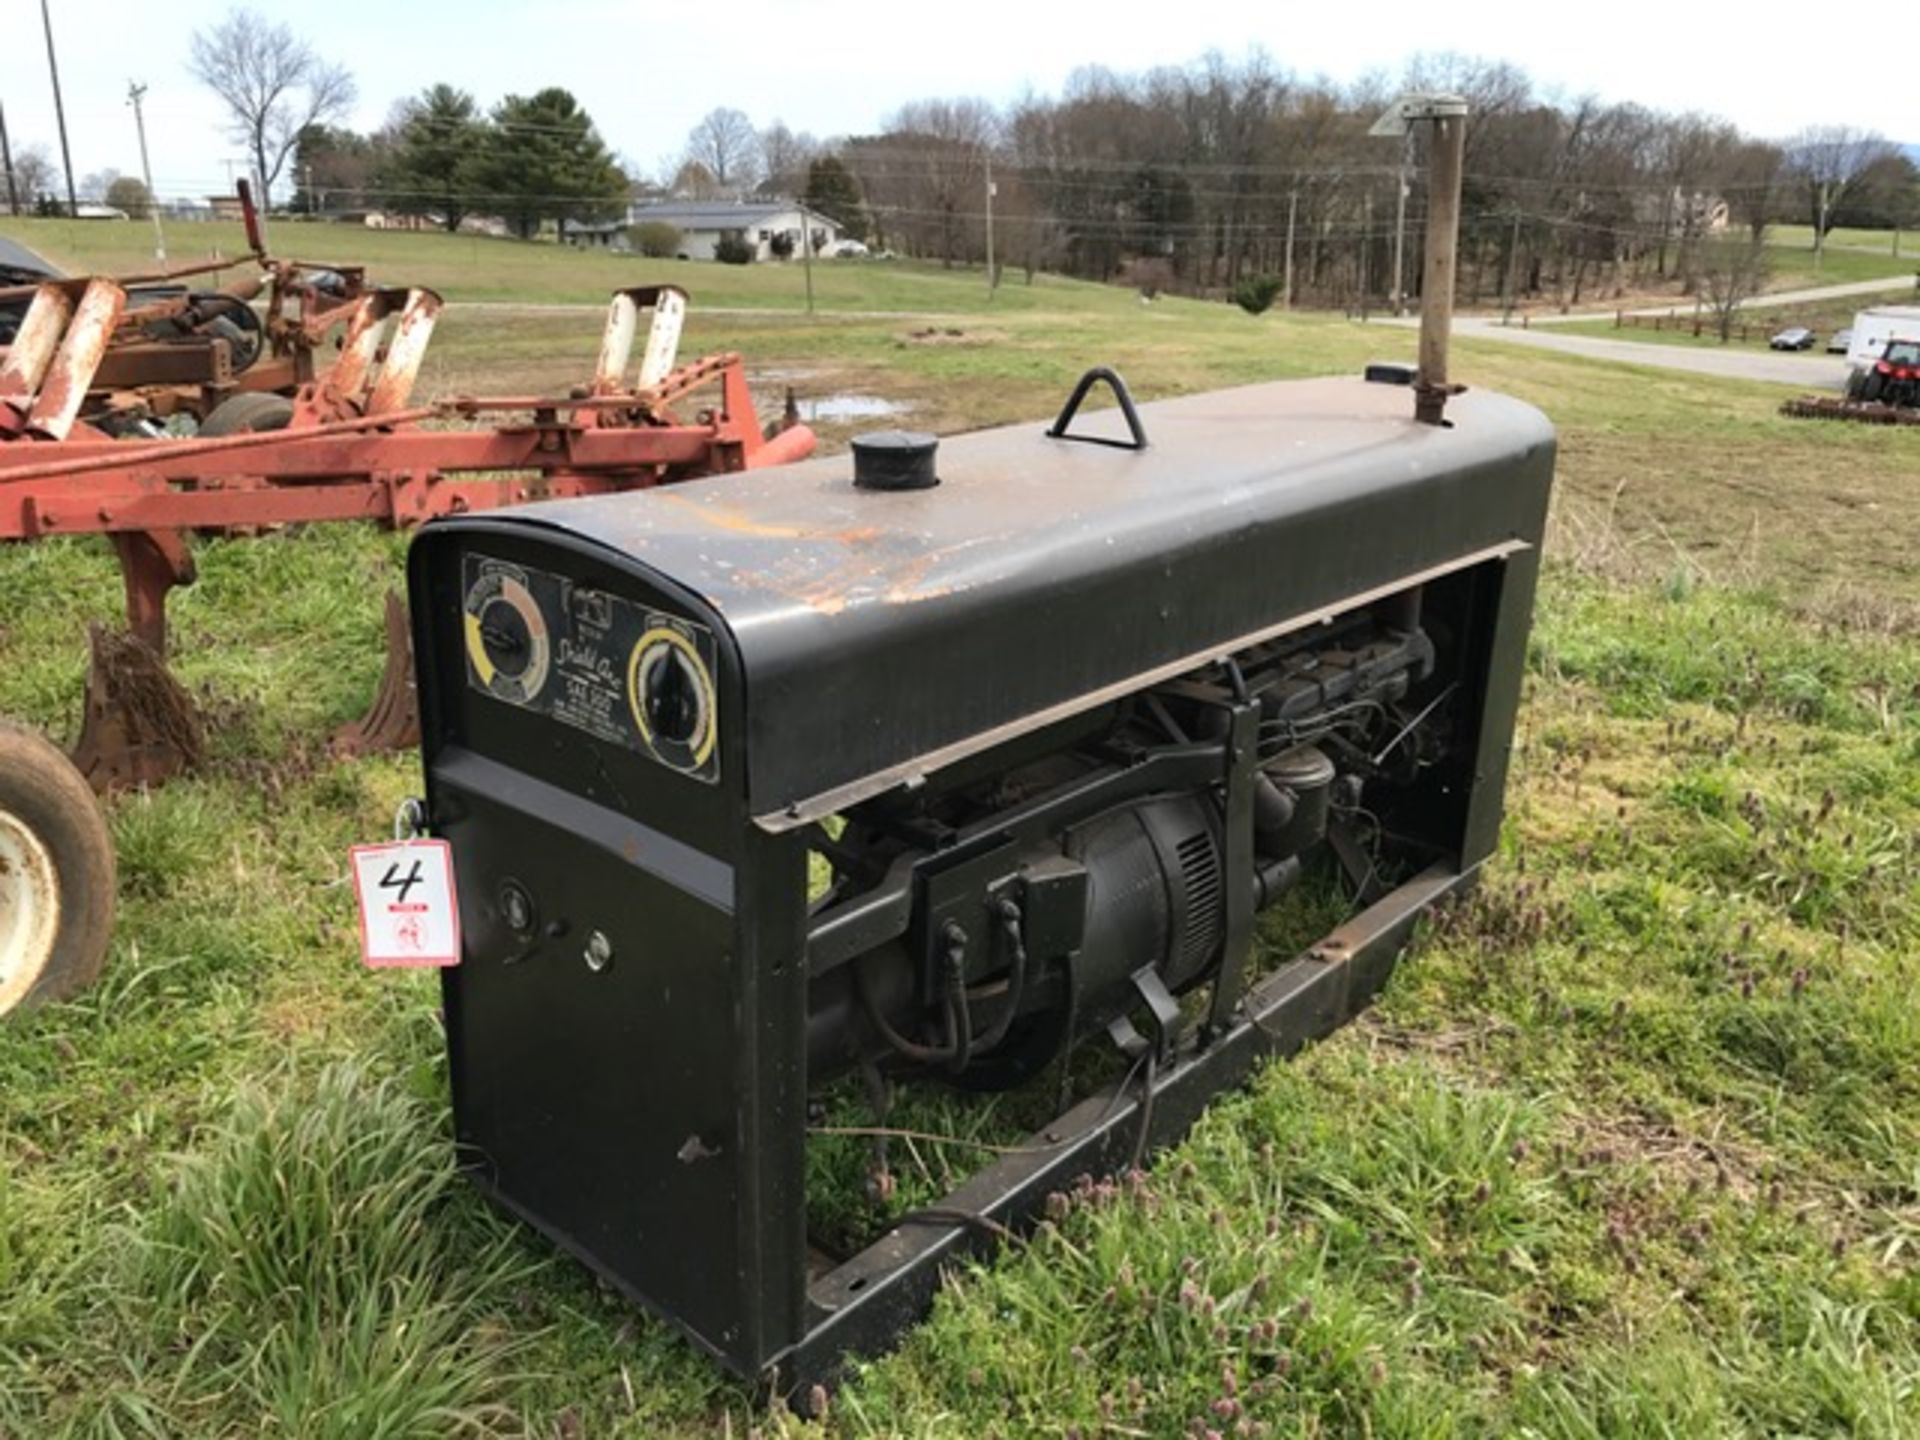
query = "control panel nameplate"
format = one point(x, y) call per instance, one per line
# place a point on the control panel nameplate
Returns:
point(623, 672)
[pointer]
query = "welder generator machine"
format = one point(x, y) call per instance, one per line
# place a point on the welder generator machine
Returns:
point(951, 762)
point(938, 761)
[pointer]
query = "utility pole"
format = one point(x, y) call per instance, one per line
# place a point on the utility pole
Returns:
point(1820, 231)
point(1513, 259)
point(1400, 231)
point(806, 252)
point(135, 94)
point(13, 189)
point(993, 279)
point(59, 110)
point(1366, 250)
point(1293, 208)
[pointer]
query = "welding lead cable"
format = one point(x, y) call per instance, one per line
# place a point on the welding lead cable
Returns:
point(898, 1043)
point(959, 1012)
point(959, 1020)
point(1017, 978)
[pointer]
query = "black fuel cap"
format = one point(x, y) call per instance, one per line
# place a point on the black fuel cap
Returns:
point(894, 460)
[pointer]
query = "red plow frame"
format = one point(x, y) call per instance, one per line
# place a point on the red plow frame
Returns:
point(354, 450)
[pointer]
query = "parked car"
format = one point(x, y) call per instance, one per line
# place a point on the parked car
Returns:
point(1794, 337)
point(847, 250)
point(1839, 341)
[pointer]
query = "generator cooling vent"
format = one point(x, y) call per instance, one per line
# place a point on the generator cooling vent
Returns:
point(1200, 877)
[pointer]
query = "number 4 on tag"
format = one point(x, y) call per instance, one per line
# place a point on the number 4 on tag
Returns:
point(407, 912)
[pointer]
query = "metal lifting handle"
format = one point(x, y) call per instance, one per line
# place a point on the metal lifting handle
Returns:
point(1120, 393)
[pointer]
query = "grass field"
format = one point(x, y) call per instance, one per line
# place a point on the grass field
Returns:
point(1630, 1148)
point(1823, 317)
point(1791, 263)
point(1900, 246)
point(479, 268)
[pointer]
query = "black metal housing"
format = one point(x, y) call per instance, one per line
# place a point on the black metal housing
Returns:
point(1075, 717)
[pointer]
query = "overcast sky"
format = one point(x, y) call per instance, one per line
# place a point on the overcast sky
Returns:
point(647, 72)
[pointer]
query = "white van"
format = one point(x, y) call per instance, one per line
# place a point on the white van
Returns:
point(1872, 329)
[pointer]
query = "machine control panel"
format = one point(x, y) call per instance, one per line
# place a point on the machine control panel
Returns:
point(623, 672)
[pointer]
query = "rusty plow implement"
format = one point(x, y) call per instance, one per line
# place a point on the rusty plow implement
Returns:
point(356, 447)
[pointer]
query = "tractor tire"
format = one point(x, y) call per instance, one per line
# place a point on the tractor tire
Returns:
point(246, 413)
point(1857, 385)
point(56, 875)
point(1876, 384)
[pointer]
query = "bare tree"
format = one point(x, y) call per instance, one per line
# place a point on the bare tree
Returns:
point(693, 181)
point(929, 171)
point(94, 187)
point(1732, 269)
point(784, 157)
point(32, 173)
point(724, 144)
point(1756, 175)
point(1830, 159)
point(272, 84)
point(1235, 169)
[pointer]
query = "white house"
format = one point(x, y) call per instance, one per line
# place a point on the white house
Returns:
point(703, 223)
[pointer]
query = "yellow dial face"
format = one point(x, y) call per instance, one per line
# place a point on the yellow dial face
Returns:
point(671, 694)
point(616, 668)
point(507, 639)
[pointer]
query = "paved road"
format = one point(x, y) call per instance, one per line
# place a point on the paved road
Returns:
point(1887, 287)
point(1808, 372)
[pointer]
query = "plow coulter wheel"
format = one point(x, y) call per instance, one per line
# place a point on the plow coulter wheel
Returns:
point(56, 875)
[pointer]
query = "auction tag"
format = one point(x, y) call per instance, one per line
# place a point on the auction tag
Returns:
point(407, 911)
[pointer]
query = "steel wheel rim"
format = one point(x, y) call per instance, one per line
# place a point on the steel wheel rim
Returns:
point(29, 909)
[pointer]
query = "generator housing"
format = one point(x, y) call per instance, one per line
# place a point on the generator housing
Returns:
point(942, 769)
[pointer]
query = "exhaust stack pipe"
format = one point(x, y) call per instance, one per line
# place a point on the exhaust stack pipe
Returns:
point(1446, 161)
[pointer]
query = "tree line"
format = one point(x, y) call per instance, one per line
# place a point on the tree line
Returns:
point(529, 160)
point(1205, 175)
point(1209, 177)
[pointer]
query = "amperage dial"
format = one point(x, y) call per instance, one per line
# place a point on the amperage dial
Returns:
point(507, 641)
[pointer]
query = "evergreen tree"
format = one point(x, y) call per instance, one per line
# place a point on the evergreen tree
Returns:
point(545, 161)
point(833, 192)
point(437, 158)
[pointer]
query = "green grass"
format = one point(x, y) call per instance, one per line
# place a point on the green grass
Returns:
point(1760, 328)
point(482, 268)
point(1845, 237)
point(1629, 1148)
point(1792, 265)
point(1823, 317)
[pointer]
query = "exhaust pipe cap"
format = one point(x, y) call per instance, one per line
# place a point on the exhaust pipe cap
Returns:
point(895, 460)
